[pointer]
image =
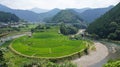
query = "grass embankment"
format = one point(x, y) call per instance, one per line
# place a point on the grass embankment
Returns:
point(11, 59)
point(48, 44)
point(113, 64)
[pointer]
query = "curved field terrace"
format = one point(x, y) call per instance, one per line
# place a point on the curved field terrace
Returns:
point(48, 44)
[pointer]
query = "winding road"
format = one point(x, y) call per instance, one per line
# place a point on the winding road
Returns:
point(94, 57)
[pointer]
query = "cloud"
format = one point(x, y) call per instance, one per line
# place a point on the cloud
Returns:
point(50, 4)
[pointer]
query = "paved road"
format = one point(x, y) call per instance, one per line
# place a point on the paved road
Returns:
point(94, 56)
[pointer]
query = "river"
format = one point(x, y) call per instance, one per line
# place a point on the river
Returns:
point(10, 38)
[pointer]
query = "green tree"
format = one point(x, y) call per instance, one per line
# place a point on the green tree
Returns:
point(112, 36)
point(32, 30)
point(68, 29)
point(113, 64)
point(108, 25)
point(118, 34)
point(8, 17)
point(112, 27)
point(2, 60)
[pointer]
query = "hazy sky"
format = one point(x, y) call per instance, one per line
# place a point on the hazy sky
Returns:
point(62, 4)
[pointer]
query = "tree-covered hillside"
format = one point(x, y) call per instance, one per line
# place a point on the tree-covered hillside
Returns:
point(108, 25)
point(8, 17)
point(66, 16)
point(29, 15)
point(92, 14)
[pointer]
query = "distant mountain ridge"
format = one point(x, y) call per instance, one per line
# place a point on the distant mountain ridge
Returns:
point(23, 14)
point(38, 10)
point(87, 14)
point(49, 14)
point(81, 10)
point(91, 14)
point(29, 15)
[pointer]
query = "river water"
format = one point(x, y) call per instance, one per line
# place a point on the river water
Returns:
point(10, 38)
point(114, 53)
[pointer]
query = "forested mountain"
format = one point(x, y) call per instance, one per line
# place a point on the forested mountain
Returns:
point(8, 17)
point(48, 15)
point(87, 14)
point(92, 14)
point(108, 25)
point(66, 16)
point(22, 14)
point(29, 15)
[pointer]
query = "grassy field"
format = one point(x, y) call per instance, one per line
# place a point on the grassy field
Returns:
point(48, 44)
point(14, 60)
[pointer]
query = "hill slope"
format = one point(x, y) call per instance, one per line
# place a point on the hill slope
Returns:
point(23, 14)
point(48, 15)
point(80, 10)
point(86, 13)
point(66, 16)
point(29, 15)
point(108, 25)
point(8, 17)
point(92, 14)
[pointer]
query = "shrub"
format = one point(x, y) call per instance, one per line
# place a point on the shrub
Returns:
point(112, 36)
point(113, 64)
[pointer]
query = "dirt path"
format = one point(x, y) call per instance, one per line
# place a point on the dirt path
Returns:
point(94, 56)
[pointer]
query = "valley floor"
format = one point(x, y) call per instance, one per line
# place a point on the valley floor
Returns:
point(93, 57)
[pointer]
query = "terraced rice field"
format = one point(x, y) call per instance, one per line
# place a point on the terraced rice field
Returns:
point(48, 44)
